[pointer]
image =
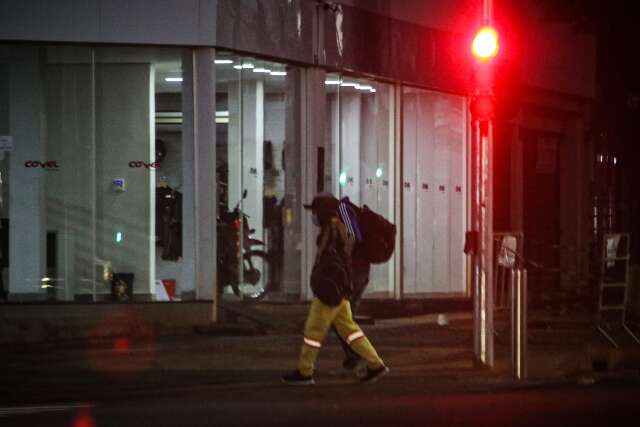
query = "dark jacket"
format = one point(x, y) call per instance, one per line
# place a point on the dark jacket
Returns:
point(334, 228)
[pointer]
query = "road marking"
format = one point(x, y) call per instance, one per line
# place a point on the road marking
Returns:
point(30, 410)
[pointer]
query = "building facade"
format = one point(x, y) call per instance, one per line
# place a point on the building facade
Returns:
point(131, 130)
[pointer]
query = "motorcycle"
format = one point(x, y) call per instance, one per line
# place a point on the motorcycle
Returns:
point(246, 270)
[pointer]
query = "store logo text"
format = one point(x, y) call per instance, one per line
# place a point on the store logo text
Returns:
point(48, 165)
point(134, 164)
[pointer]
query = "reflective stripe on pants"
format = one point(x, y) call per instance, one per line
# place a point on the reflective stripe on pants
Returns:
point(319, 320)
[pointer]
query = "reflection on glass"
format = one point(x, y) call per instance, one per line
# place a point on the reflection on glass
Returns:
point(258, 195)
point(82, 218)
point(433, 165)
point(359, 139)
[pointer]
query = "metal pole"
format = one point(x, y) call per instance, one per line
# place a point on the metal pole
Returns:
point(487, 10)
point(486, 239)
point(482, 226)
point(519, 323)
point(475, 227)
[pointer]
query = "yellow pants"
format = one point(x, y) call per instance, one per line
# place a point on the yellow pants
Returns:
point(319, 320)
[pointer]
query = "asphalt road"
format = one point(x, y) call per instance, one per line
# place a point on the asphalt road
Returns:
point(333, 405)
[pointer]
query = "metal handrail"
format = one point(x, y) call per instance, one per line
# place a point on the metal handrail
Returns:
point(517, 290)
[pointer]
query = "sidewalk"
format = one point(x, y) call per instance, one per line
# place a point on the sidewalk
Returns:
point(422, 355)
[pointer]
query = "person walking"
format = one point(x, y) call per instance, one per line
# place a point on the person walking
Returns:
point(335, 309)
point(360, 278)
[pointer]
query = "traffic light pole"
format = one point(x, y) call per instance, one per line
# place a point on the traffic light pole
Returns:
point(482, 227)
point(481, 247)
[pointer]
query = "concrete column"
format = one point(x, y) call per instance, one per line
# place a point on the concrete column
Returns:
point(188, 179)
point(295, 176)
point(204, 141)
point(26, 206)
point(314, 133)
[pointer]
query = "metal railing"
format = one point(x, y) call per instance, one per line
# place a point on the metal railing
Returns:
point(507, 247)
point(519, 322)
point(510, 291)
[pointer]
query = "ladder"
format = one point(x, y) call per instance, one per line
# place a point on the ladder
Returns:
point(614, 274)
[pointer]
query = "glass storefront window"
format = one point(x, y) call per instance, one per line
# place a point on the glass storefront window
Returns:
point(93, 174)
point(360, 143)
point(434, 132)
point(258, 158)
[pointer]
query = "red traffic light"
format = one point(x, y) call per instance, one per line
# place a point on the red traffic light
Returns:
point(485, 44)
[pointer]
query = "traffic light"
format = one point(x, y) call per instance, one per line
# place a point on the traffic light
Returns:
point(485, 47)
point(485, 44)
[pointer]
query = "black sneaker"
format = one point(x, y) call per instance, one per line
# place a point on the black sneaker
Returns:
point(349, 364)
point(357, 366)
point(296, 378)
point(374, 375)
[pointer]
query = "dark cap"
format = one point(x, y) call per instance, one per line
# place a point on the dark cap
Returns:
point(323, 202)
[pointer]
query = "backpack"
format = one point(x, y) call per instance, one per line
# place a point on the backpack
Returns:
point(375, 236)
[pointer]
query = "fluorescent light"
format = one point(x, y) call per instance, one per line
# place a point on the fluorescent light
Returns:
point(222, 119)
point(222, 114)
point(278, 73)
point(45, 279)
point(223, 61)
point(363, 87)
point(348, 84)
point(248, 65)
point(261, 70)
point(332, 82)
point(169, 118)
point(173, 79)
point(237, 67)
point(372, 90)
